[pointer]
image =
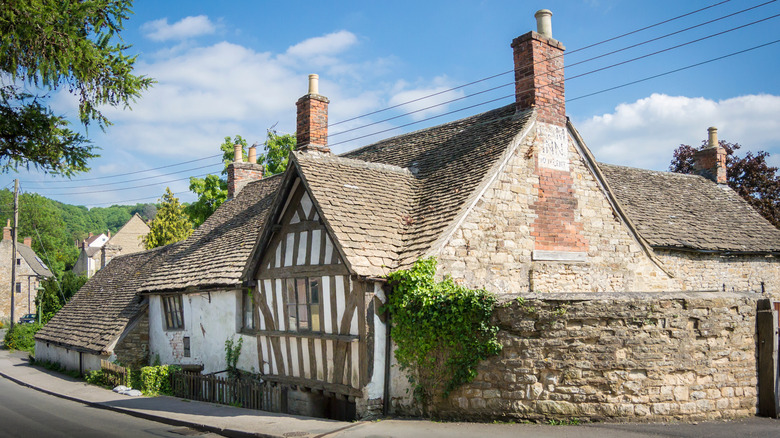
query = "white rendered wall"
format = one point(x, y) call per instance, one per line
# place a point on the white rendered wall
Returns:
point(209, 320)
point(69, 359)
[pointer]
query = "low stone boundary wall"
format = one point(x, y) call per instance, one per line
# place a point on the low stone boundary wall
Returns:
point(618, 357)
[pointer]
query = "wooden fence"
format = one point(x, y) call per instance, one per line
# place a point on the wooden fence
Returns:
point(248, 394)
point(114, 374)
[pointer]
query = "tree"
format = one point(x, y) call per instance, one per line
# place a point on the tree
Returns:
point(212, 190)
point(50, 45)
point(750, 176)
point(56, 293)
point(170, 224)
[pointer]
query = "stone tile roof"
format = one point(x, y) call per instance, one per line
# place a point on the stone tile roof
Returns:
point(99, 312)
point(217, 251)
point(689, 212)
point(32, 259)
point(448, 163)
point(366, 206)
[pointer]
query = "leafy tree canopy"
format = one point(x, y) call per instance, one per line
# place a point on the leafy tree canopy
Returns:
point(212, 190)
point(750, 176)
point(170, 224)
point(56, 293)
point(50, 45)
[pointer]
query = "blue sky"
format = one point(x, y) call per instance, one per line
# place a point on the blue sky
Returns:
point(237, 67)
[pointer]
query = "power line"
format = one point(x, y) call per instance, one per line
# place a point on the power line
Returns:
point(139, 179)
point(133, 187)
point(511, 71)
point(578, 63)
point(567, 100)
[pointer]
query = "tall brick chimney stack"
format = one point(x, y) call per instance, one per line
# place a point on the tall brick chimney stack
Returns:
point(312, 120)
point(539, 72)
point(239, 174)
point(7, 231)
point(28, 241)
point(710, 162)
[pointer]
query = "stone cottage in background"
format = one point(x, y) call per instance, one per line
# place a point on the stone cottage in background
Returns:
point(97, 251)
point(626, 293)
point(30, 271)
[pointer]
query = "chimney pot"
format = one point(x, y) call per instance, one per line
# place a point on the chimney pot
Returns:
point(28, 241)
point(713, 137)
point(314, 84)
point(253, 153)
point(544, 22)
point(238, 153)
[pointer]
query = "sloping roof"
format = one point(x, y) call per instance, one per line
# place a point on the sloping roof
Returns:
point(448, 163)
point(366, 205)
point(675, 210)
point(217, 251)
point(99, 312)
point(32, 259)
point(91, 239)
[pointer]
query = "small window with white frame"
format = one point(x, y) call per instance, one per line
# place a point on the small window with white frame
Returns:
point(173, 311)
point(249, 322)
point(302, 298)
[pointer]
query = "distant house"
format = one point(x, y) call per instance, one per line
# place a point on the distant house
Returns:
point(97, 250)
point(662, 271)
point(30, 270)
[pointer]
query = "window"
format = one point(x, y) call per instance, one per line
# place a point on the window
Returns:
point(174, 312)
point(18, 288)
point(249, 311)
point(186, 346)
point(302, 298)
point(18, 262)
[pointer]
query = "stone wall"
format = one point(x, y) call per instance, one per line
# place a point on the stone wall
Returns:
point(24, 301)
point(132, 348)
point(629, 357)
point(494, 246)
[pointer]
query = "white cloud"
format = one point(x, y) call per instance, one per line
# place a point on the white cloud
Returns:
point(646, 132)
point(188, 27)
point(330, 44)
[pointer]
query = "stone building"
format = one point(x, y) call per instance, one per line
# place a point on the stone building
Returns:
point(97, 251)
point(30, 270)
point(643, 284)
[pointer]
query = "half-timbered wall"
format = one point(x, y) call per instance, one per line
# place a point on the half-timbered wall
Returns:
point(318, 339)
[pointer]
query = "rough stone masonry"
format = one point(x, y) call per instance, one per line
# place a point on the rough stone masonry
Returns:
point(628, 357)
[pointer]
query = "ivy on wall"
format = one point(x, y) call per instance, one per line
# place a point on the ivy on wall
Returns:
point(441, 329)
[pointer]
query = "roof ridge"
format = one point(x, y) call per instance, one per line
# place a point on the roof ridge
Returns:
point(355, 162)
point(667, 172)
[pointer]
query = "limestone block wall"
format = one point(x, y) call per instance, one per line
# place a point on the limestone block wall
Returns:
point(24, 301)
point(629, 357)
point(132, 348)
point(698, 271)
point(493, 247)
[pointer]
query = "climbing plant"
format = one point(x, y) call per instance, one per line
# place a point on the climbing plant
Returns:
point(442, 330)
point(232, 352)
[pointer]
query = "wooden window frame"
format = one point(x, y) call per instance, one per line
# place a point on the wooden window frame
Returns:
point(247, 300)
point(300, 303)
point(173, 312)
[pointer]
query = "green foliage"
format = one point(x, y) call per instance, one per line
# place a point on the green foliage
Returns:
point(51, 45)
point(96, 377)
point(170, 224)
point(56, 293)
point(442, 329)
point(20, 337)
point(277, 151)
point(232, 352)
point(750, 176)
point(155, 380)
point(212, 192)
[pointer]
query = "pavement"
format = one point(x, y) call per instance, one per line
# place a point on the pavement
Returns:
point(238, 422)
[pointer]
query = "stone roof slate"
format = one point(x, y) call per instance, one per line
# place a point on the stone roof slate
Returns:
point(448, 163)
point(32, 259)
point(99, 312)
point(216, 253)
point(675, 210)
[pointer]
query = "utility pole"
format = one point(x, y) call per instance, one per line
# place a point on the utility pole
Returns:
point(13, 250)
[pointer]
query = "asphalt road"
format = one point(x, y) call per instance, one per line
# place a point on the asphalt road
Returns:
point(25, 412)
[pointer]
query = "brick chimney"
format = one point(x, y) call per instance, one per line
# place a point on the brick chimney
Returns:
point(239, 174)
point(7, 231)
point(710, 162)
point(539, 72)
point(28, 241)
point(312, 120)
